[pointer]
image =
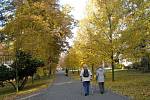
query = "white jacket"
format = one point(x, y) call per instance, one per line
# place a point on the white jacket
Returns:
point(85, 78)
point(100, 74)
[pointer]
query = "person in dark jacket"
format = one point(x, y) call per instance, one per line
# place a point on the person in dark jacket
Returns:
point(66, 72)
point(86, 77)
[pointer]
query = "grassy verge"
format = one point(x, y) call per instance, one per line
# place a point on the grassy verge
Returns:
point(8, 93)
point(130, 83)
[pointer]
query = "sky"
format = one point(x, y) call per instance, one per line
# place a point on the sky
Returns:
point(78, 7)
point(78, 12)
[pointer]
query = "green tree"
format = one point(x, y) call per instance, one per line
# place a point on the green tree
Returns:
point(23, 67)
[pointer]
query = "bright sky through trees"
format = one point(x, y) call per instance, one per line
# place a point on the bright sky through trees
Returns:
point(78, 7)
point(78, 11)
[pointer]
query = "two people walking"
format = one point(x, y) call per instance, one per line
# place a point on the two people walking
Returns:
point(86, 77)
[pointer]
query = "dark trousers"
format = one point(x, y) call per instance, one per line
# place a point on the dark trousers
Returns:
point(86, 85)
point(101, 87)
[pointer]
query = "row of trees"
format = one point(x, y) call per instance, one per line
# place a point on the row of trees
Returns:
point(32, 30)
point(112, 31)
point(39, 27)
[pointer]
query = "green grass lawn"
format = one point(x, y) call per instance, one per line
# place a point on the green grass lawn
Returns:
point(8, 91)
point(129, 83)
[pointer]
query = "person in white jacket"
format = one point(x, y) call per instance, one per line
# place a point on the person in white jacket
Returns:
point(100, 75)
point(86, 77)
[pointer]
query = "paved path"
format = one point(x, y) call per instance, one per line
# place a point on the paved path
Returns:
point(66, 89)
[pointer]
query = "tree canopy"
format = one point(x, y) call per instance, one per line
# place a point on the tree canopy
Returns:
point(112, 31)
point(40, 27)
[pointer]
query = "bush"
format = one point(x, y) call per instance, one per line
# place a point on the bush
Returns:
point(24, 66)
point(145, 63)
point(136, 65)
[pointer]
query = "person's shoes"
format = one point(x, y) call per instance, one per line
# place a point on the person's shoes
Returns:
point(86, 94)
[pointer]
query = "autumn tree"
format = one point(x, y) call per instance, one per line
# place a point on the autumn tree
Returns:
point(137, 30)
point(40, 27)
point(109, 34)
point(72, 59)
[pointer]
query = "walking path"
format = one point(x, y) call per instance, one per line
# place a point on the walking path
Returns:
point(64, 88)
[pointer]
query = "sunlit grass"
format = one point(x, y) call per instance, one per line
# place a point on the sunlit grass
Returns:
point(6, 91)
point(130, 83)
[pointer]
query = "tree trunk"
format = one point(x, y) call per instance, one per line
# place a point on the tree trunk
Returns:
point(93, 71)
point(23, 83)
point(111, 42)
point(112, 64)
point(50, 70)
point(32, 80)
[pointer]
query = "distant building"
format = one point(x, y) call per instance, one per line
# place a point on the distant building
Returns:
point(5, 57)
point(125, 62)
